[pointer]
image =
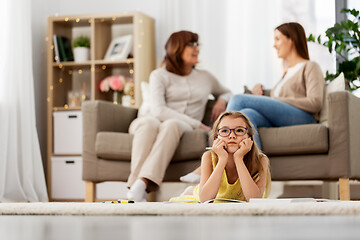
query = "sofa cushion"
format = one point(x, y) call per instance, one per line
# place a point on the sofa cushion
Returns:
point(338, 84)
point(299, 139)
point(113, 145)
point(117, 146)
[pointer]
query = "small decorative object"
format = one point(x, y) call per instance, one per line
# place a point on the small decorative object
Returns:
point(116, 84)
point(128, 99)
point(119, 48)
point(81, 49)
point(343, 38)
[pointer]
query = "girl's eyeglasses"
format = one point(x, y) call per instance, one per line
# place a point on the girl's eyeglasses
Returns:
point(238, 131)
point(193, 44)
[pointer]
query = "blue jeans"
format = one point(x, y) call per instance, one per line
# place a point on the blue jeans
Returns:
point(264, 111)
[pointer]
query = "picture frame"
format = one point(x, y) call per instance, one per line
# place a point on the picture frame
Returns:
point(119, 48)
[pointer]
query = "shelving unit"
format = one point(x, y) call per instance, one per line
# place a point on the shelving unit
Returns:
point(84, 78)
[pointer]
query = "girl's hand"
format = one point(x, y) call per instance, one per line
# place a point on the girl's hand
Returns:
point(244, 147)
point(219, 147)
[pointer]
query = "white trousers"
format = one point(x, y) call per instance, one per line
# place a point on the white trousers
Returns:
point(153, 147)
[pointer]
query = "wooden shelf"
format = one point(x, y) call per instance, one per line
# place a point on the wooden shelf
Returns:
point(69, 79)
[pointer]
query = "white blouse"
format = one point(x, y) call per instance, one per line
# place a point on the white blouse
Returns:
point(290, 72)
point(183, 97)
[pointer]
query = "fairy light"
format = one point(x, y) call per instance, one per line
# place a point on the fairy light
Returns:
point(66, 106)
point(80, 71)
point(66, 19)
point(103, 67)
point(113, 18)
point(51, 87)
point(60, 66)
point(92, 69)
point(61, 80)
point(56, 58)
point(90, 20)
point(131, 71)
point(102, 20)
point(70, 72)
point(77, 20)
point(52, 47)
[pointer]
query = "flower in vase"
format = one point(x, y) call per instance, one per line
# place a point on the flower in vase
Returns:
point(115, 83)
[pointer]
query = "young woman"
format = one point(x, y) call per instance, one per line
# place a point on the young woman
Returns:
point(297, 97)
point(234, 168)
point(178, 96)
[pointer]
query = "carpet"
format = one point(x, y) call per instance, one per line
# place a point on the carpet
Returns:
point(182, 209)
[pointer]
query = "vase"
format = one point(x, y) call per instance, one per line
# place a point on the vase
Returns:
point(81, 54)
point(117, 96)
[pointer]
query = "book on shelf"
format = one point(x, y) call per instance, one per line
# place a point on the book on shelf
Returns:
point(56, 50)
point(62, 49)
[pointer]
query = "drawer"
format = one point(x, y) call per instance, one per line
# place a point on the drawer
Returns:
point(67, 132)
point(66, 178)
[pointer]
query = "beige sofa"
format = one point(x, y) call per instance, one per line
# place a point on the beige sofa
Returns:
point(328, 152)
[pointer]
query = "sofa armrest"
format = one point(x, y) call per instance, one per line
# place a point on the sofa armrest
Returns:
point(101, 116)
point(344, 134)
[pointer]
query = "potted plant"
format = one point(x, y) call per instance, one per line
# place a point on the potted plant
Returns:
point(344, 39)
point(81, 47)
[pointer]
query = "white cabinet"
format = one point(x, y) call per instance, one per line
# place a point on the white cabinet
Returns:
point(67, 183)
point(67, 132)
point(66, 178)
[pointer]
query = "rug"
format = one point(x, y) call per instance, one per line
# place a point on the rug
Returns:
point(182, 209)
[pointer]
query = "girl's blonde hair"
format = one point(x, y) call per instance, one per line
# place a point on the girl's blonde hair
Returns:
point(252, 159)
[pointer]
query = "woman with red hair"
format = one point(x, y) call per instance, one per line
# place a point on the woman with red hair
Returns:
point(178, 96)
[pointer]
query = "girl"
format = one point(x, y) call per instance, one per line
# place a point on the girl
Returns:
point(234, 168)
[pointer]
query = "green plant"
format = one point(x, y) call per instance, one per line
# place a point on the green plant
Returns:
point(344, 39)
point(81, 41)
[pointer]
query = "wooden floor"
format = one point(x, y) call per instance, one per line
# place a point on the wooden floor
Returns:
point(168, 228)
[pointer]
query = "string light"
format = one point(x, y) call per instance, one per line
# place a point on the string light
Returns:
point(60, 80)
point(51, 87)
point(90, 20)
point(80, 71)
point(66, 19)
point(113, 18)
point(77, 20)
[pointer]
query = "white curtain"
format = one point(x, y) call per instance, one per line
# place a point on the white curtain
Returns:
point(21, 170)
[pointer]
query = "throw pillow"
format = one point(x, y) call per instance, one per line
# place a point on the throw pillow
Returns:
point(338, 84)
point(145, 105)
